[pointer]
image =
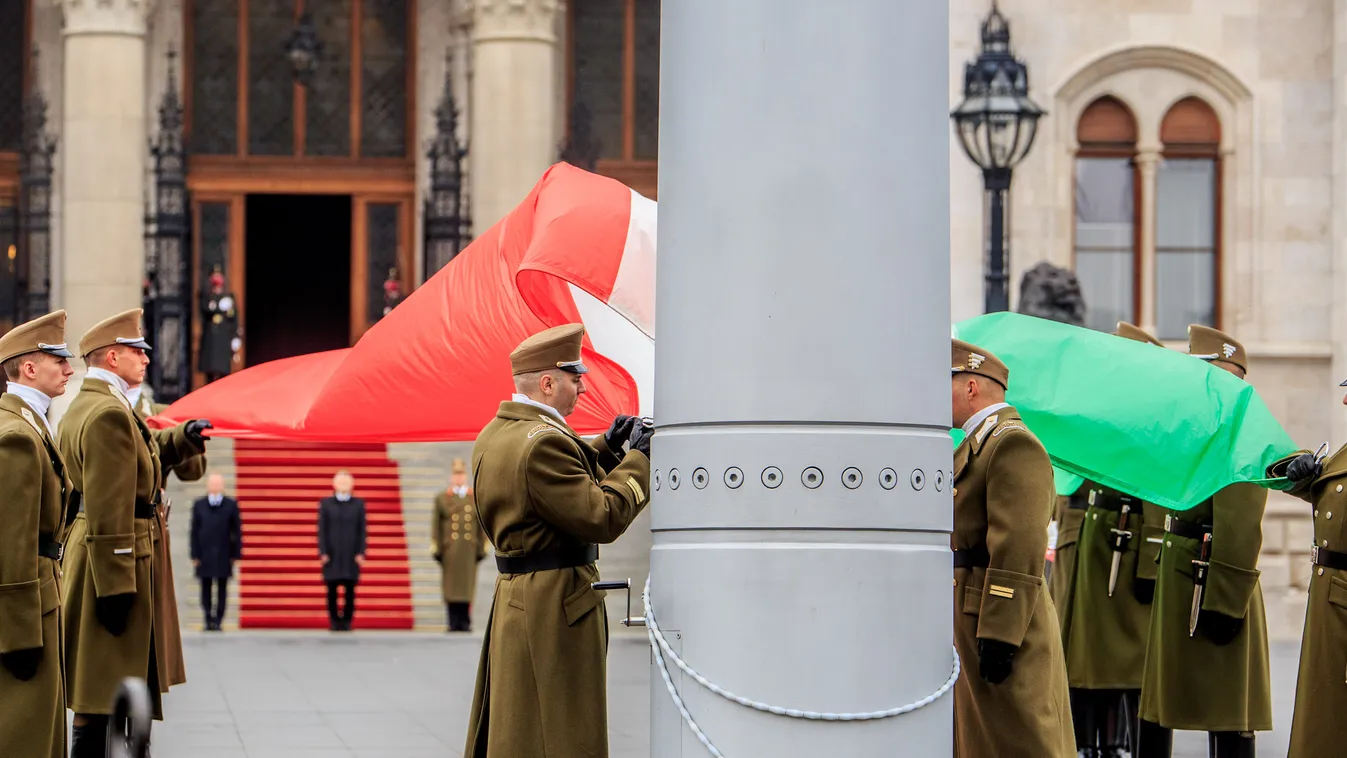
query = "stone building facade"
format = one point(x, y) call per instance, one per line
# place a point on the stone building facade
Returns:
point(1188, 167)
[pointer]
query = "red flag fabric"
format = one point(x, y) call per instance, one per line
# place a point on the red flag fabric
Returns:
point(437, 367)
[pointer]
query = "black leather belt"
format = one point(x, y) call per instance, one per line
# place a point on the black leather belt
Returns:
point(49, 548)
point(143, 509)
point(1322, 556)
point(569, 556)
point(971, 557)
point(1077, 503)
point(1112, 500)
point(1185, 528)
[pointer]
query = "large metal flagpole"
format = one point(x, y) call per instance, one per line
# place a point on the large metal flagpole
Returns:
point(802, 505)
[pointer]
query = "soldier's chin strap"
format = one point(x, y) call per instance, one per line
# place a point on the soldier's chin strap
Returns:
point(661, 649)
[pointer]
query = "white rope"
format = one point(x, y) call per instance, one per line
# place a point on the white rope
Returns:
point(661, 648)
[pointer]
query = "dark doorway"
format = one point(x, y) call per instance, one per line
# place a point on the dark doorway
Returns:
point(298, 254)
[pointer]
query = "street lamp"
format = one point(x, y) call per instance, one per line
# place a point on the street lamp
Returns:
point(996, 124)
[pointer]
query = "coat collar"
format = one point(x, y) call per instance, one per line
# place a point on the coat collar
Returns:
point(513, 411)
point(1335, 465)
point(973, 444)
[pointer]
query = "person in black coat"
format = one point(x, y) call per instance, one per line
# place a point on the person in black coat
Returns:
point(341, 547)
point(217, 541)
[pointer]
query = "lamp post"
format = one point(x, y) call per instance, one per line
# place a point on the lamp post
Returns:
point(996, 124)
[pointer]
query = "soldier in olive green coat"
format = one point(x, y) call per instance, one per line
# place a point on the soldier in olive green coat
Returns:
point(172, 667)
point(32, 517)
point(1011, 699)
point(115, 463)
point(545, 498)
point(458, 544)
point(1321, 691)
point(1106, 613)
point(1213, 678)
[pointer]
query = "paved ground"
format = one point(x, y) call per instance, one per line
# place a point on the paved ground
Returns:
point(373, 695)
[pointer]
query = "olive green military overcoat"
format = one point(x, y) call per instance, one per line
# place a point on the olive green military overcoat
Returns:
point(114, 460)
point(1191, 683)
point(1105, 640)
point(1321, 691)
point(542, 679)
point(32, 713)
point(1003, 498)
point(169, 646)
point(1062, 580)
point(457, 537)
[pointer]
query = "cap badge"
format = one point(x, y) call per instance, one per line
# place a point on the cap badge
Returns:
point(975, 360)
point(1227, 349)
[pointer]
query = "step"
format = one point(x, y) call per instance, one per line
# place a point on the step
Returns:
point(341, 459)
point(310, 518)
point(319, 484)
point(290, 566)
point(253, 528)
point(246, 605)
point(388, 468)
point(245, 492)
point(310, 543)
point(319, 590)
point(373, 554)
point(292, 577)
point(249, 445)
point(318, 620)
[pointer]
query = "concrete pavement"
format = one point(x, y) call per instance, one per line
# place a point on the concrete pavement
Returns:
point(407, 695)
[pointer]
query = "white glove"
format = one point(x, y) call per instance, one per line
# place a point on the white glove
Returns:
point(236, 344)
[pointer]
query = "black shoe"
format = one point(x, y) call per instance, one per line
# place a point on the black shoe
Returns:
point(89, 740)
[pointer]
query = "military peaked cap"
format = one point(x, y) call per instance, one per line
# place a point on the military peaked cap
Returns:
point(459, 467)
point(971, 359)
point(45, 334)
point(1136, 334)
point(1210, 345)
point(122, 329)
point(555, 348)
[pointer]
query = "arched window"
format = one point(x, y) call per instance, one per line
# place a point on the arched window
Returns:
point(613, 74)
point(1106, 213)
point(1187, 219)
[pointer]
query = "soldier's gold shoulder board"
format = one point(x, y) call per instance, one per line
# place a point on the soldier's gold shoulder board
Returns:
point(999, 591)
point(1006, 428)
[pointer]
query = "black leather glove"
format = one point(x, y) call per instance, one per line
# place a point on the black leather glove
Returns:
point(1144, 590)
point(1303, 467)
point(641, 440)
point(439, 558)
point(22, 663)
point(620, 431)
point(113, 611)
point(1218, 627)
point(994, 659)
point(194, 429)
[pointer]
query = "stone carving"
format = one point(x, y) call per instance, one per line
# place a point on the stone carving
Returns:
point(534, 19)
point(105, 16)
point(1049, 292)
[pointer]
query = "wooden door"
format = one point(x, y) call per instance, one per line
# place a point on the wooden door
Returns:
point(381, 246)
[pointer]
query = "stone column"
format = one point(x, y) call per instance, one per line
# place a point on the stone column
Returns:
point(1338, 429)
point(103, 147)
point(513, 103)
point(1147, 158)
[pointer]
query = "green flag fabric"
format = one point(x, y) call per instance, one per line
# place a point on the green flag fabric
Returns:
point(1154, 423)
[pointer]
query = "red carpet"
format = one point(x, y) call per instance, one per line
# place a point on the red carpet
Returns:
point(280, 579)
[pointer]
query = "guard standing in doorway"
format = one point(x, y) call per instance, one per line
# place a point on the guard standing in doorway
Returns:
point(1207, 656)
point(220, 338)
point(1321, 691)
point(546, 498)
point(115, 465)
point(1015, 704)
point(35, 362)
point(458, 544)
